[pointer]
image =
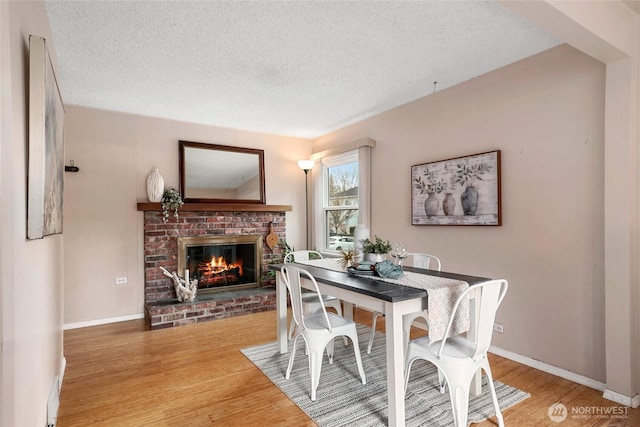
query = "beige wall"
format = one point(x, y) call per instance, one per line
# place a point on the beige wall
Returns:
point(545, 110)
point(608, 31)
point(31, 271)
point(546, 114)
point(103, 229)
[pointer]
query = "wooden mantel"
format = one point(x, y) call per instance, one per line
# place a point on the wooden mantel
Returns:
point(220, 207)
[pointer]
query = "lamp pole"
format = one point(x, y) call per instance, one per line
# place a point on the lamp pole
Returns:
point(306, 166)
point(306, 202)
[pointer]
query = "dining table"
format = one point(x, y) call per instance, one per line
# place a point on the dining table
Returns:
point(392, 299)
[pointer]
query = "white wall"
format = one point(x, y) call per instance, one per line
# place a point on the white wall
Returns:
point(103, 229)
point(31, 271)
point(546, 114)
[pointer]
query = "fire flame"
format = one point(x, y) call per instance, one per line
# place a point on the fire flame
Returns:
point(218, 265)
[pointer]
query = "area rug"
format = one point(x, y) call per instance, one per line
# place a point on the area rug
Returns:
point(343, 400)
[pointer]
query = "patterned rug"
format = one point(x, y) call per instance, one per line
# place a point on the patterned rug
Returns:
point(343, 400)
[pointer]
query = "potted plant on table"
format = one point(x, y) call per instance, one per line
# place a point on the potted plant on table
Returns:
point(375, 250)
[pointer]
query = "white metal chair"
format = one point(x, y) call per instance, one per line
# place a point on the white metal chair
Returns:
point(416, 260)
point(457, 358)
point(310, 301)
point(317, 330)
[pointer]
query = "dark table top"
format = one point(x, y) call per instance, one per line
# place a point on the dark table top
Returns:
point(377, 288)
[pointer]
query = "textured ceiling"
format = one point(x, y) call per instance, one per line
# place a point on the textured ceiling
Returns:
point(296, 68)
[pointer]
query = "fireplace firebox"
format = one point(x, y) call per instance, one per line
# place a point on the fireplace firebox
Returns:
point(221, 263)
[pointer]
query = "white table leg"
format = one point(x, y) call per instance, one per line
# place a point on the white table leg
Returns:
point(395, 364)
point(281, 313)
point(347, 310)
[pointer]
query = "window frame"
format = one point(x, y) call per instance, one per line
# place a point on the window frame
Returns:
point(359, 151)
point(326, 164)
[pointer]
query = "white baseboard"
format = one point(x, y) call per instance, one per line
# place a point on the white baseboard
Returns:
point(63, 366)
point(97, 322)
point(53, 402)
point(545, 367)
point(622, 399)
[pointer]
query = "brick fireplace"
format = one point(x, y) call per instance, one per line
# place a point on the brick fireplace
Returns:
point(212, 222)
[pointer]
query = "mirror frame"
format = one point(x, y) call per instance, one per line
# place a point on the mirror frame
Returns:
point(223, 148)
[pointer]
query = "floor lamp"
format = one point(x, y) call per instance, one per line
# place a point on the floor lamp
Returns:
point(306, 166)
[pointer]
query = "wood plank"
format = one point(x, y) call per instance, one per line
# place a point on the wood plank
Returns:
point(124, 375)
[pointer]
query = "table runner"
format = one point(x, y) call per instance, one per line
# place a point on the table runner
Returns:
point(442, 293)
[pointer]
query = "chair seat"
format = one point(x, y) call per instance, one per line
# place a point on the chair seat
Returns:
point(312, 305)
point(318, 321)
point(313, 297)
point(457, 347)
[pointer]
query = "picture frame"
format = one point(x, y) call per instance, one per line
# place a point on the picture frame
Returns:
point(459, 191)
point(214, 173)
point(46, 145)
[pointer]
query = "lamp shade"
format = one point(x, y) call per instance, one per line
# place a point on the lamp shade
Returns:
point(306, 165)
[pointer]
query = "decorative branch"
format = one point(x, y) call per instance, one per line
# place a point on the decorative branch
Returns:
point(185, 289)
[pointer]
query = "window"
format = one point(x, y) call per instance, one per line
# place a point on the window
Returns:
point(340, 176)
point(342, 198)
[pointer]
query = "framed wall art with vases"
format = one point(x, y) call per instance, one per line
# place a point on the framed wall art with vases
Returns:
point(458, 191)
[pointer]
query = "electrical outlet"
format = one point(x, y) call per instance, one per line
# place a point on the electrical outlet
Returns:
point(498, 328)
point(121, 280)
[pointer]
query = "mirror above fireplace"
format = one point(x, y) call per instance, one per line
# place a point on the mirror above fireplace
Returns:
point(211, 173)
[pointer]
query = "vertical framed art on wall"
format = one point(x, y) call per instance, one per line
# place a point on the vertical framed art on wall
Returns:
point(46, 145)
point(459, 191)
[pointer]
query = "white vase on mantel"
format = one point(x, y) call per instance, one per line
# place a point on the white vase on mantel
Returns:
point(155, 186)
point(361, 232)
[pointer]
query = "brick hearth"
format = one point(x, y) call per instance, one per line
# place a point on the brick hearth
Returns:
point(169, 312)
point(162, 309)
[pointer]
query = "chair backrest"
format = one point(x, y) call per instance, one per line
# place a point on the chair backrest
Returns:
point(302, 256)
point(490, 294)
point(424, 261)
point(291, 276)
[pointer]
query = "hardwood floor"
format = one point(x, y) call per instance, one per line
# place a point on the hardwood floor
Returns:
point(123, 375)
